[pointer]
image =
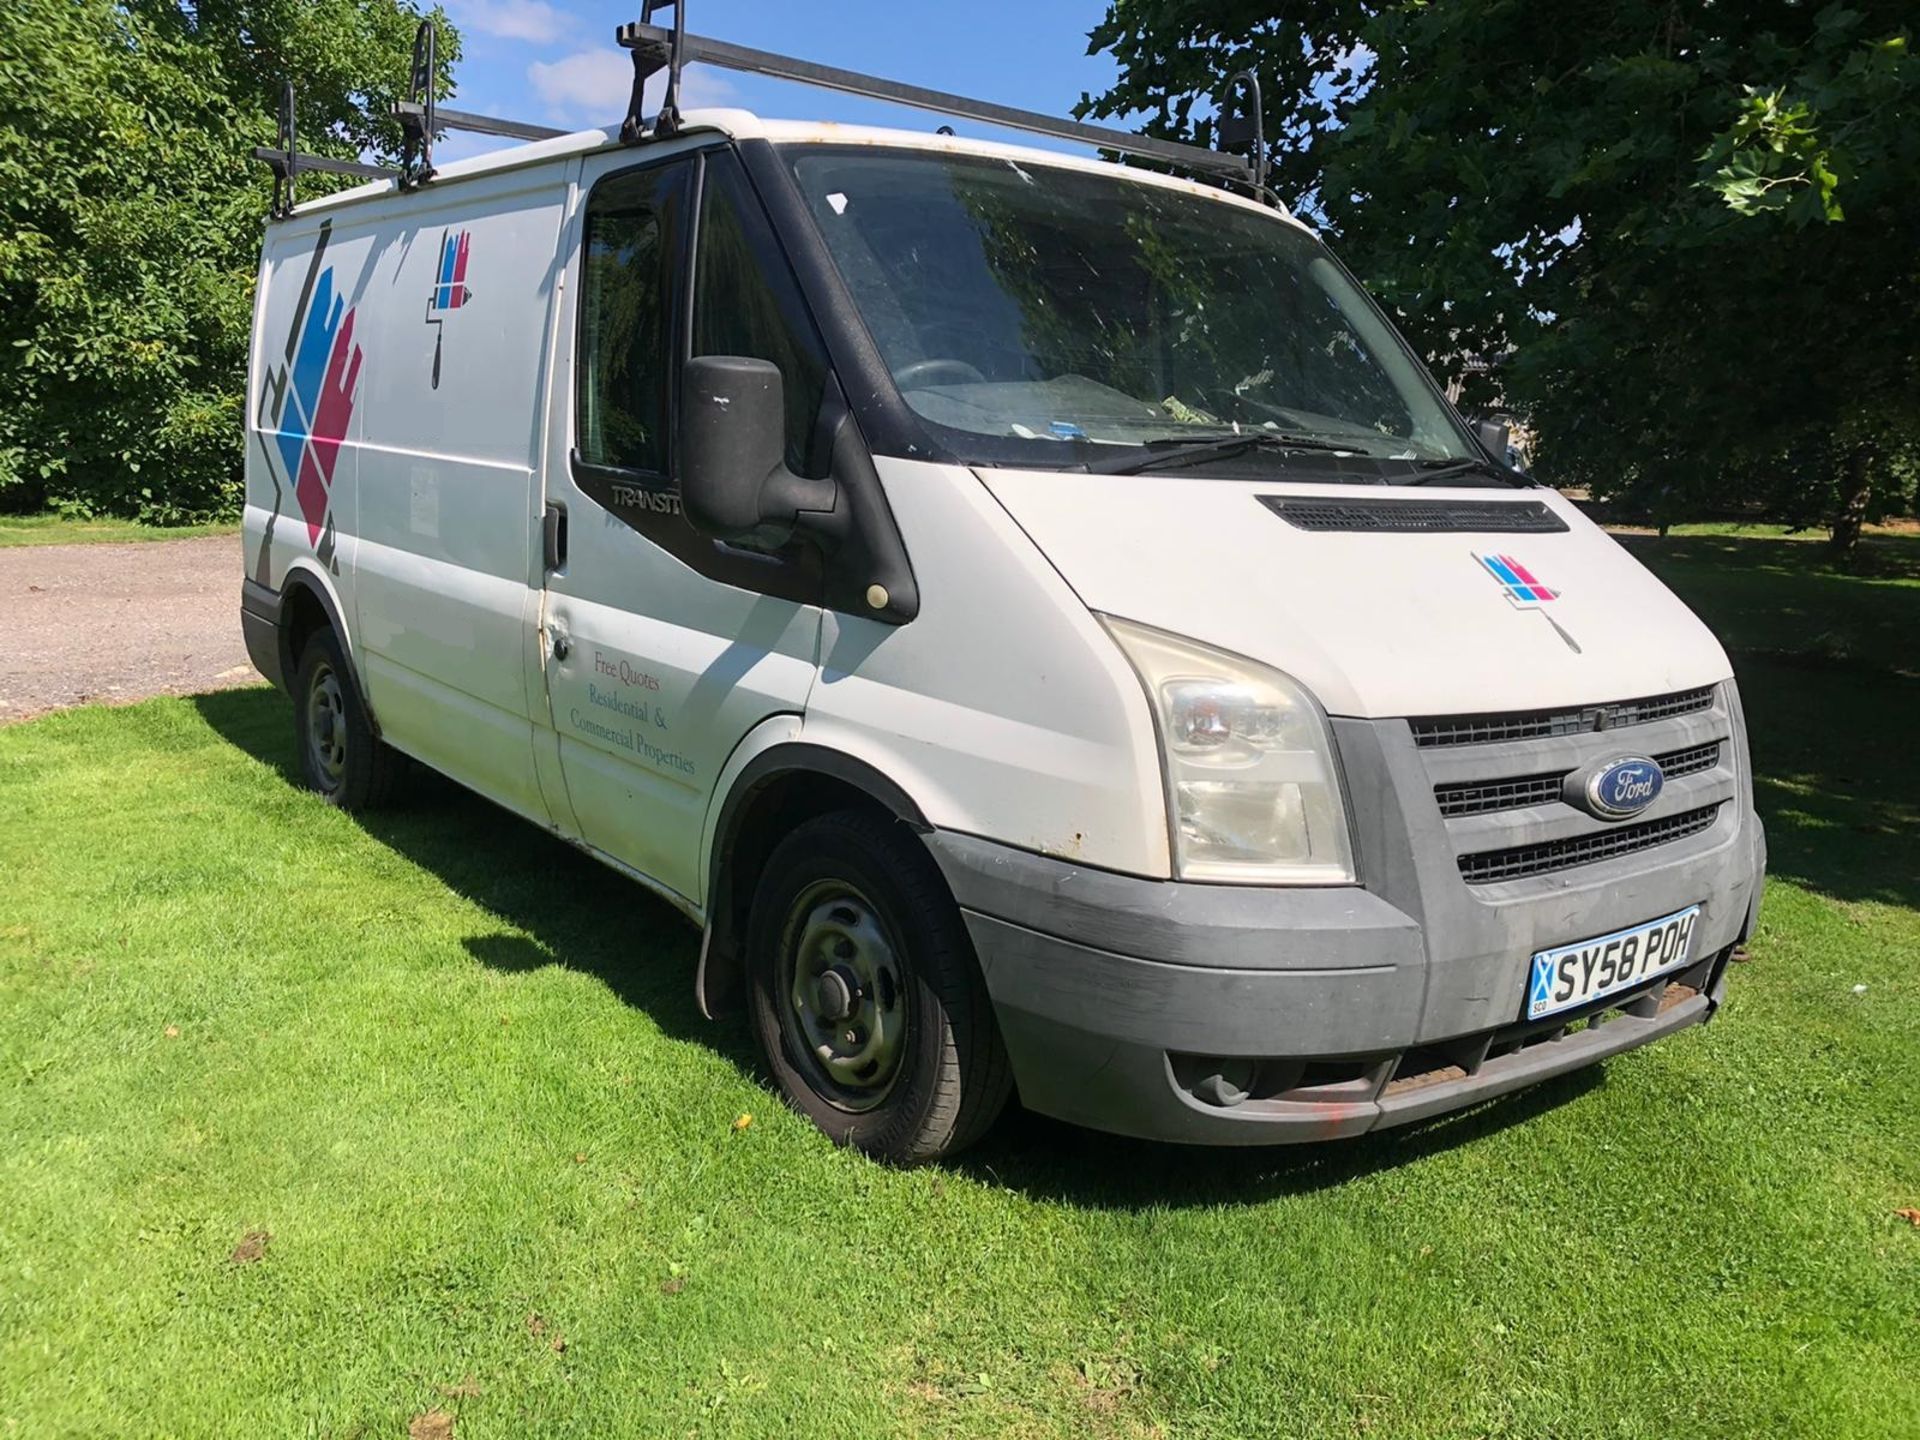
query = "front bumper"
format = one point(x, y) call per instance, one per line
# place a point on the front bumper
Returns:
point(1149, 1007)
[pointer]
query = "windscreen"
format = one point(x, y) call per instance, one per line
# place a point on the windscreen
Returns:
point(1042, 316)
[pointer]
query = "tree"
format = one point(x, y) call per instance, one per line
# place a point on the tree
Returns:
point(130, 220)
point(1687, 227)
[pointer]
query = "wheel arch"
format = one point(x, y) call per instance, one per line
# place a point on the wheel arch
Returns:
point(308, 604)
point(786, 783)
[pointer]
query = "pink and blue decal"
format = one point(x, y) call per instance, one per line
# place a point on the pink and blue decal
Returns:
point(1516, 580)
point(309, 400)
point(451, 292)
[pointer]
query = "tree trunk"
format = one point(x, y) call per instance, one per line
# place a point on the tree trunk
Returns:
point(1856, 485)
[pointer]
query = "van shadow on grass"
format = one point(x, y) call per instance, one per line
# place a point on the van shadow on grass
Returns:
point(575, 912)
point(1051, 1160)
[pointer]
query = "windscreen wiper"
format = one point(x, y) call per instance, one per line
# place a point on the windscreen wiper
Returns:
point(1448, 469)
point(1172, 453)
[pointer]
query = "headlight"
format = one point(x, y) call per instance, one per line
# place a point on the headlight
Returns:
point(1251, 785)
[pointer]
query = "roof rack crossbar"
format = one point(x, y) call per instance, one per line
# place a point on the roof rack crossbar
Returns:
point(286, 160)
point(445, 119)
point(303, 162)
point(667, 46)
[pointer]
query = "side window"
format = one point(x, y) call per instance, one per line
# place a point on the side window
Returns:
point(746, 302)
point(624, 387)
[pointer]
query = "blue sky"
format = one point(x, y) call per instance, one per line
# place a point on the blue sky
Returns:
point(555, 61)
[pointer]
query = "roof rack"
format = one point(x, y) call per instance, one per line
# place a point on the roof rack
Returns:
point(421, 120)
point(287, 160)
point(656, 48)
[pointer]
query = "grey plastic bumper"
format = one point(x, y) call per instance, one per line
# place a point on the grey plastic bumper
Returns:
point(1114, 993)
point(260, 627)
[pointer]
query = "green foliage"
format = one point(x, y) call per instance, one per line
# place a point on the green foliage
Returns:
point(1772, 159)
point(130, 221)
point(1688, 228)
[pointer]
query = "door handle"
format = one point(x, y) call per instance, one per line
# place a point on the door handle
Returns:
point(553, 537)
point(562, 647)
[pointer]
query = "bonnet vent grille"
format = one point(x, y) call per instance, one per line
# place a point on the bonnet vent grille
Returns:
point(1534, 724)
point(1373, 514)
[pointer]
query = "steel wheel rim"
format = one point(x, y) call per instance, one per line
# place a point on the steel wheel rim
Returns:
point(327, 725)
point(844, 1012)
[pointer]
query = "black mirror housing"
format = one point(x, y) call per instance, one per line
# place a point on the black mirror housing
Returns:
point(735, 486)
point(1492, 435)
point(734, 481)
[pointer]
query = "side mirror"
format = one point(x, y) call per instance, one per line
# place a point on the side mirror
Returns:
point(1492, 435)
point(734, 481)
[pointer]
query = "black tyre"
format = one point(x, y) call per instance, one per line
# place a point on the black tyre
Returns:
point(866, 995)
point(340, 756)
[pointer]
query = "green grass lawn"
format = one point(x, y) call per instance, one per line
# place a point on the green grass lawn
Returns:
point(453, 1071)
point(63, 530)
point(1771, 594)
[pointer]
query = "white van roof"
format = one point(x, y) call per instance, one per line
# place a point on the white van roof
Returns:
point(745, 125)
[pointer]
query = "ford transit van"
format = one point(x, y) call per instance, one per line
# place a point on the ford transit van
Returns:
point(1034, 615)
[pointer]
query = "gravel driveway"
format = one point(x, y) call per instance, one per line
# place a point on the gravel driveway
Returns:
point(84, 624)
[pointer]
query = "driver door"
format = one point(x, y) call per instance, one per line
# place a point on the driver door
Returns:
point(661, 648)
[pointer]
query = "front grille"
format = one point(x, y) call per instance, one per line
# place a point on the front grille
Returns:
point(1424, 517)
point(1476, 797)
point(1534, 724)
point(1486, 866)
point(1676, 763)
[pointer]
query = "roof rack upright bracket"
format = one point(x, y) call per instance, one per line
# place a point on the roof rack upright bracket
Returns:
point(422, 117)
point(416, 115)
point(285, 163)
point(1243, 122)
point(659, 50)
point(286, 160)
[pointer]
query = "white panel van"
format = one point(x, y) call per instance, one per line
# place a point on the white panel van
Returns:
point(1035, 616)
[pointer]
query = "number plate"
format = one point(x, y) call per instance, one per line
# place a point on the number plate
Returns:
point(1571, 975)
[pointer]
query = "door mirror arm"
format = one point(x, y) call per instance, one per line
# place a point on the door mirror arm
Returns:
point(735, 487)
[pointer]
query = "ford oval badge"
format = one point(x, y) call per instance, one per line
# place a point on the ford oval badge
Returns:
point(1621, 788)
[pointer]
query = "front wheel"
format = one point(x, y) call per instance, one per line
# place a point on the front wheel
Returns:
point(866, 996)
point(340, 756)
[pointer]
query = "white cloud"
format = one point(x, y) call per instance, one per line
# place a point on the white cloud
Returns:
point(701, 86)
point(531, 20)
point(593, 86)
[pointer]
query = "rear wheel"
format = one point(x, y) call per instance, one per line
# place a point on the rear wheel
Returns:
point(866, 996)
point(340, 756)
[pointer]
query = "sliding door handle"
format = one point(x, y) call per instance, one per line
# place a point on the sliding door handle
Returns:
point(553, 537)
